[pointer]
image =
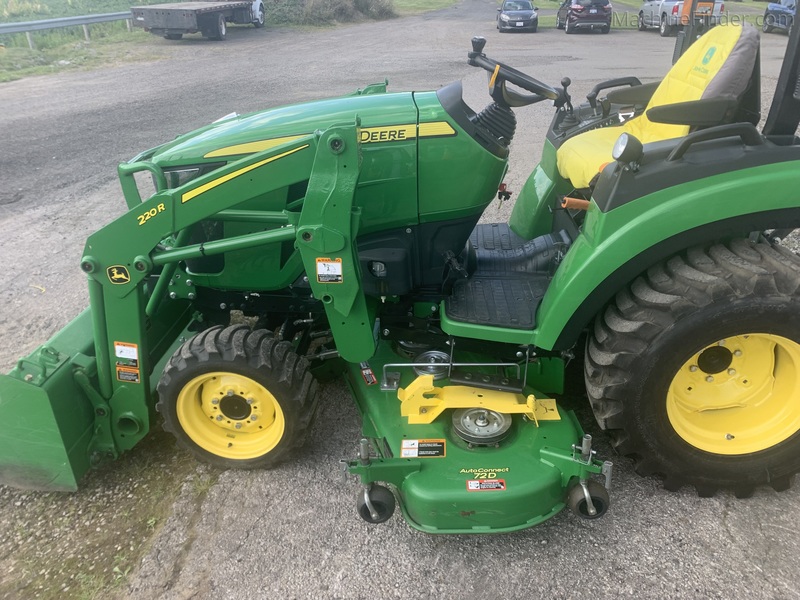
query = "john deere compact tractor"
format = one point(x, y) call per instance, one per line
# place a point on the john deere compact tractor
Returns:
point(345, 232)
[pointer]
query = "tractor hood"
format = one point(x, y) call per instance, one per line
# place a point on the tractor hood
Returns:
point(232, 137)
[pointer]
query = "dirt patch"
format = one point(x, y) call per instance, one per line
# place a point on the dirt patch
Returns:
point(84, 545)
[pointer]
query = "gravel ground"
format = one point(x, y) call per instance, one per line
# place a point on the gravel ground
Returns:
point(157, 525)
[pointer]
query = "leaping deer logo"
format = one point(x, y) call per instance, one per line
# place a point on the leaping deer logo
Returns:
point(118, 274)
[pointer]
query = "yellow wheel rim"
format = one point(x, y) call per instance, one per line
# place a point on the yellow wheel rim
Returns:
point(230, 415)
point(738, 395)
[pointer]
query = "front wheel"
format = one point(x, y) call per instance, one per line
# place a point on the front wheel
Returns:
point(695, 369)
point(559, 23)
point(237, 398)
point(640, 23)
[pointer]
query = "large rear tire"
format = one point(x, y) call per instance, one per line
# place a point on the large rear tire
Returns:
point(695, 369)
point(237, 398)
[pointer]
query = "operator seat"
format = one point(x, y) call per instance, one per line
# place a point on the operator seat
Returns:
point(719, 64)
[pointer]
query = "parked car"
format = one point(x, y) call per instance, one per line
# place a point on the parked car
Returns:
point(517, 15)
point(666, 14)
point(584, 14)
point(779, 15)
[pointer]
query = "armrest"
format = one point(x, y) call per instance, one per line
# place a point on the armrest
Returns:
point(697, 113)
point(637, 94)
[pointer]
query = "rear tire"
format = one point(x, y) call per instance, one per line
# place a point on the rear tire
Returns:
point(173, 36)
point(695, 369)
point(237, 398)
point(222, 29)
point(769, 23)
point(260, 18)
point(665, 29)
point(559, 24)
point(569, 29)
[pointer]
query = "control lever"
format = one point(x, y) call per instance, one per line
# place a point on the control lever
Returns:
point(592, 98)
point(478, 43)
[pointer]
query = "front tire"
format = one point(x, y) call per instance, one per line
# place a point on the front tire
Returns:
point(695, 369)
point(640, 23)
point(237, 398)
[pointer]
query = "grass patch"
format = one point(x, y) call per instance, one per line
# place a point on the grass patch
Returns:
point(415, 7)
point(75, 53)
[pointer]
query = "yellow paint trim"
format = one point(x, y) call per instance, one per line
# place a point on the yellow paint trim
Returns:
point(252, 147)
point(225, 178)
point(422, 402)
point(437, 129)
point(749, 406)
point(494, 76)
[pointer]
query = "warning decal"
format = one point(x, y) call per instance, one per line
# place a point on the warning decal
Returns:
point(128, 375)
point(486, 485)
point(423, 449)
point(329, 270)
point(368, 374)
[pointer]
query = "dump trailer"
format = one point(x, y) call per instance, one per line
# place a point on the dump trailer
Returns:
point(210, 18)
point(345, 233)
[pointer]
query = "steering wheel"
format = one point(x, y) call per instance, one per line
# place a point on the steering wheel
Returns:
point(502, 73)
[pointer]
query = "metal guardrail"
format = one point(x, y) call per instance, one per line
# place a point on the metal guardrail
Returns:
point(27, 27)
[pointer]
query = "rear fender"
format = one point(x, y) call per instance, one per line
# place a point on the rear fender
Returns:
point(616, 246)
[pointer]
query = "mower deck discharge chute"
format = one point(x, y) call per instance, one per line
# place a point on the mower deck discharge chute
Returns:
point(345, 232)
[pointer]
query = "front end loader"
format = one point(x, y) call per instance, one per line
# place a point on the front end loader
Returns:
point(344, 234)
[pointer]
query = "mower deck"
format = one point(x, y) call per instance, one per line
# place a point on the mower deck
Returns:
point(448, 485)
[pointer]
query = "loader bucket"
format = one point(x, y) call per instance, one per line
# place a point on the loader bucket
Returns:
point(46, 419)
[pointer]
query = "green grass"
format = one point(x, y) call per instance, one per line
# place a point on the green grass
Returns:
point(69, 52)
point(415, 7)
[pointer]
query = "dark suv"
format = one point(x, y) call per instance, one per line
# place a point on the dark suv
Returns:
point(584, 14)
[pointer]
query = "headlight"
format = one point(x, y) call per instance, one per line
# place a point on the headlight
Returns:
point(504, 17)
point(177, 177)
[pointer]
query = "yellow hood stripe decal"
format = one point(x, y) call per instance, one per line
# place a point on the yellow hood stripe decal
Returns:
point(214, 183)
point(251, 147)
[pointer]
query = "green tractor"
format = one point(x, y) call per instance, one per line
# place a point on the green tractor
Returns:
point(344, 234)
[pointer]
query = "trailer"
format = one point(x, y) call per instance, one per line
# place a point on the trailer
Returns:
point(175, 19)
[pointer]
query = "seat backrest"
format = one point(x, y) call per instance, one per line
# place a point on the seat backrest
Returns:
point(720, 63)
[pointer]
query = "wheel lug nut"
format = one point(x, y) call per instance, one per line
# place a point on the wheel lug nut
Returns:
point(230, 392)
point(215, 401)
point(693, 368)
point(253, 417)
point(737, 352)
point(721, 343)
point(219, 417)
point(238, 426)
point(250, 400)
point(709, 379)
point(729, 436)
point(731, 372)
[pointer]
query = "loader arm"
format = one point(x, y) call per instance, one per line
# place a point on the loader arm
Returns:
point(89, 389)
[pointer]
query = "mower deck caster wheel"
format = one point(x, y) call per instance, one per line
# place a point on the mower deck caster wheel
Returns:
point(576, 499)
point(382, 504)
